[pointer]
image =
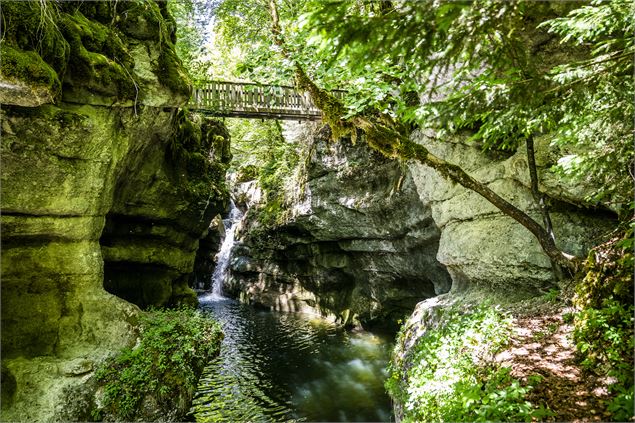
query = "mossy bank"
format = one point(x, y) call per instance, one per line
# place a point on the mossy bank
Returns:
point(156, 379)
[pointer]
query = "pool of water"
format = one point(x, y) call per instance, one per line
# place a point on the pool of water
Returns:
point(283, 366)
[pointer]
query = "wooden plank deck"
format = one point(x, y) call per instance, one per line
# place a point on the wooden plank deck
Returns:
point(249, 100)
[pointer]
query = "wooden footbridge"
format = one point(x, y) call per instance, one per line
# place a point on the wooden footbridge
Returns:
point(249, 100)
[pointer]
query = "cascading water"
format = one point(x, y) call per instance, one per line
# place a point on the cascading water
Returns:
point(224, 255)
point(286, 367)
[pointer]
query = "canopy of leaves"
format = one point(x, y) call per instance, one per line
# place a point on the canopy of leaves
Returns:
point(501, 70)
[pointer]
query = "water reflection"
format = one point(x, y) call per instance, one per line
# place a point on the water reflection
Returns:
point(281, 366)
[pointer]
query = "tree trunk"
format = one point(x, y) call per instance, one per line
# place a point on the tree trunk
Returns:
point(540, 200)
point(454, 173)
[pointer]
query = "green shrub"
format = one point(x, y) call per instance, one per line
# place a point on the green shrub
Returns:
point(603, 327)
point(450, 376)
point(175, 346)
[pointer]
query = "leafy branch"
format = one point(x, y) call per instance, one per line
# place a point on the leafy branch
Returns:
point(385, 135)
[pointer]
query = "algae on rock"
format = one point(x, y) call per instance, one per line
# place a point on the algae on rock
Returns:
point(103, 53)
point(89, 187)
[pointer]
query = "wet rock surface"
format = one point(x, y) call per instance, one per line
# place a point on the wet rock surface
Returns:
point(360, 247)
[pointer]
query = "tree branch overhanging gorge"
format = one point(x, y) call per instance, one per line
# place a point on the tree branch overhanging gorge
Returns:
point(383, 134)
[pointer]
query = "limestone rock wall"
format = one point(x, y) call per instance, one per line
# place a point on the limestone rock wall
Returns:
point(360, 247)
point(481, 246)
point(163, 203)
point(101, 175)
point(370, 238)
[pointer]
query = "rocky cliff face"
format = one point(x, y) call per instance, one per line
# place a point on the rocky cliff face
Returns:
point(163, 204)
point(481, 246)
point(370, 238)
point(360, 246)
point(110, 179)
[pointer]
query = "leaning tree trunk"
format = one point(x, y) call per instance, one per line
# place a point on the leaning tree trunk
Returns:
point(540, 200)
point(389, 138)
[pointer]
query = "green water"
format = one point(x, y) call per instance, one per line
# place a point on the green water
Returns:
point(282, 366)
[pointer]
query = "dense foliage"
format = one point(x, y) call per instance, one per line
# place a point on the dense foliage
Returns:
point(500, 73)
point(164, 366)
point(275, 155)
point(604, 324)
point(226, 49)
point(472, 64)
point(452, 378)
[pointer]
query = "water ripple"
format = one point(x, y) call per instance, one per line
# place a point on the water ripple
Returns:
point(289, 367)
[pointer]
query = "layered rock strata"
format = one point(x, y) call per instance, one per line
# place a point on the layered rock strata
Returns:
point(369, 238)
point(359, 248)
point(479, 244)
point(101, 174)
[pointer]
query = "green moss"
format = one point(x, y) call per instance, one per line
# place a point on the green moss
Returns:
point(171, 72)
point(333, 111)
point(28, 66)
point(216, 138)
point(164, 368)
point(141, 19)
point(101, 11)
point(193, 148)
point(603, 326)
point(169, 67)
point(85, 38)
point(99, 58)
point(183, 295)
point(150, 20)
point(33, 49)
point(169, 23)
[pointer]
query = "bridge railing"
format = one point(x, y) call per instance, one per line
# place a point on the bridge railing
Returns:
point(241, 99)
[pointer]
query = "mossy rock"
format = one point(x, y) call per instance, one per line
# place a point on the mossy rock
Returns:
point(151, 21)
point(156, 380)
point(87, 49)
point(34, 53)
point(28, 66)
point(183, 295)
point(142, 20)
point(246, 174)
point(216, 138)
point(9, 385)
point(32, 26)
point(99, 59)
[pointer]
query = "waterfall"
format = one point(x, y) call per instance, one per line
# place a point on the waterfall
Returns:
point(222, 266)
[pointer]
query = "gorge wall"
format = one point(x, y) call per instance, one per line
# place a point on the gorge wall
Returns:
point(360, 246)
point(483, 247)
point(106, 189)
point(369, 238)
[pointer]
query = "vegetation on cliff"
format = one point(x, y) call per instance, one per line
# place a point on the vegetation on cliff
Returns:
point(157, 378)
point(603, 330)
point(86, 47)
point(92, 196)
point(476, 81)
point(499, 74)
point(452, 375)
